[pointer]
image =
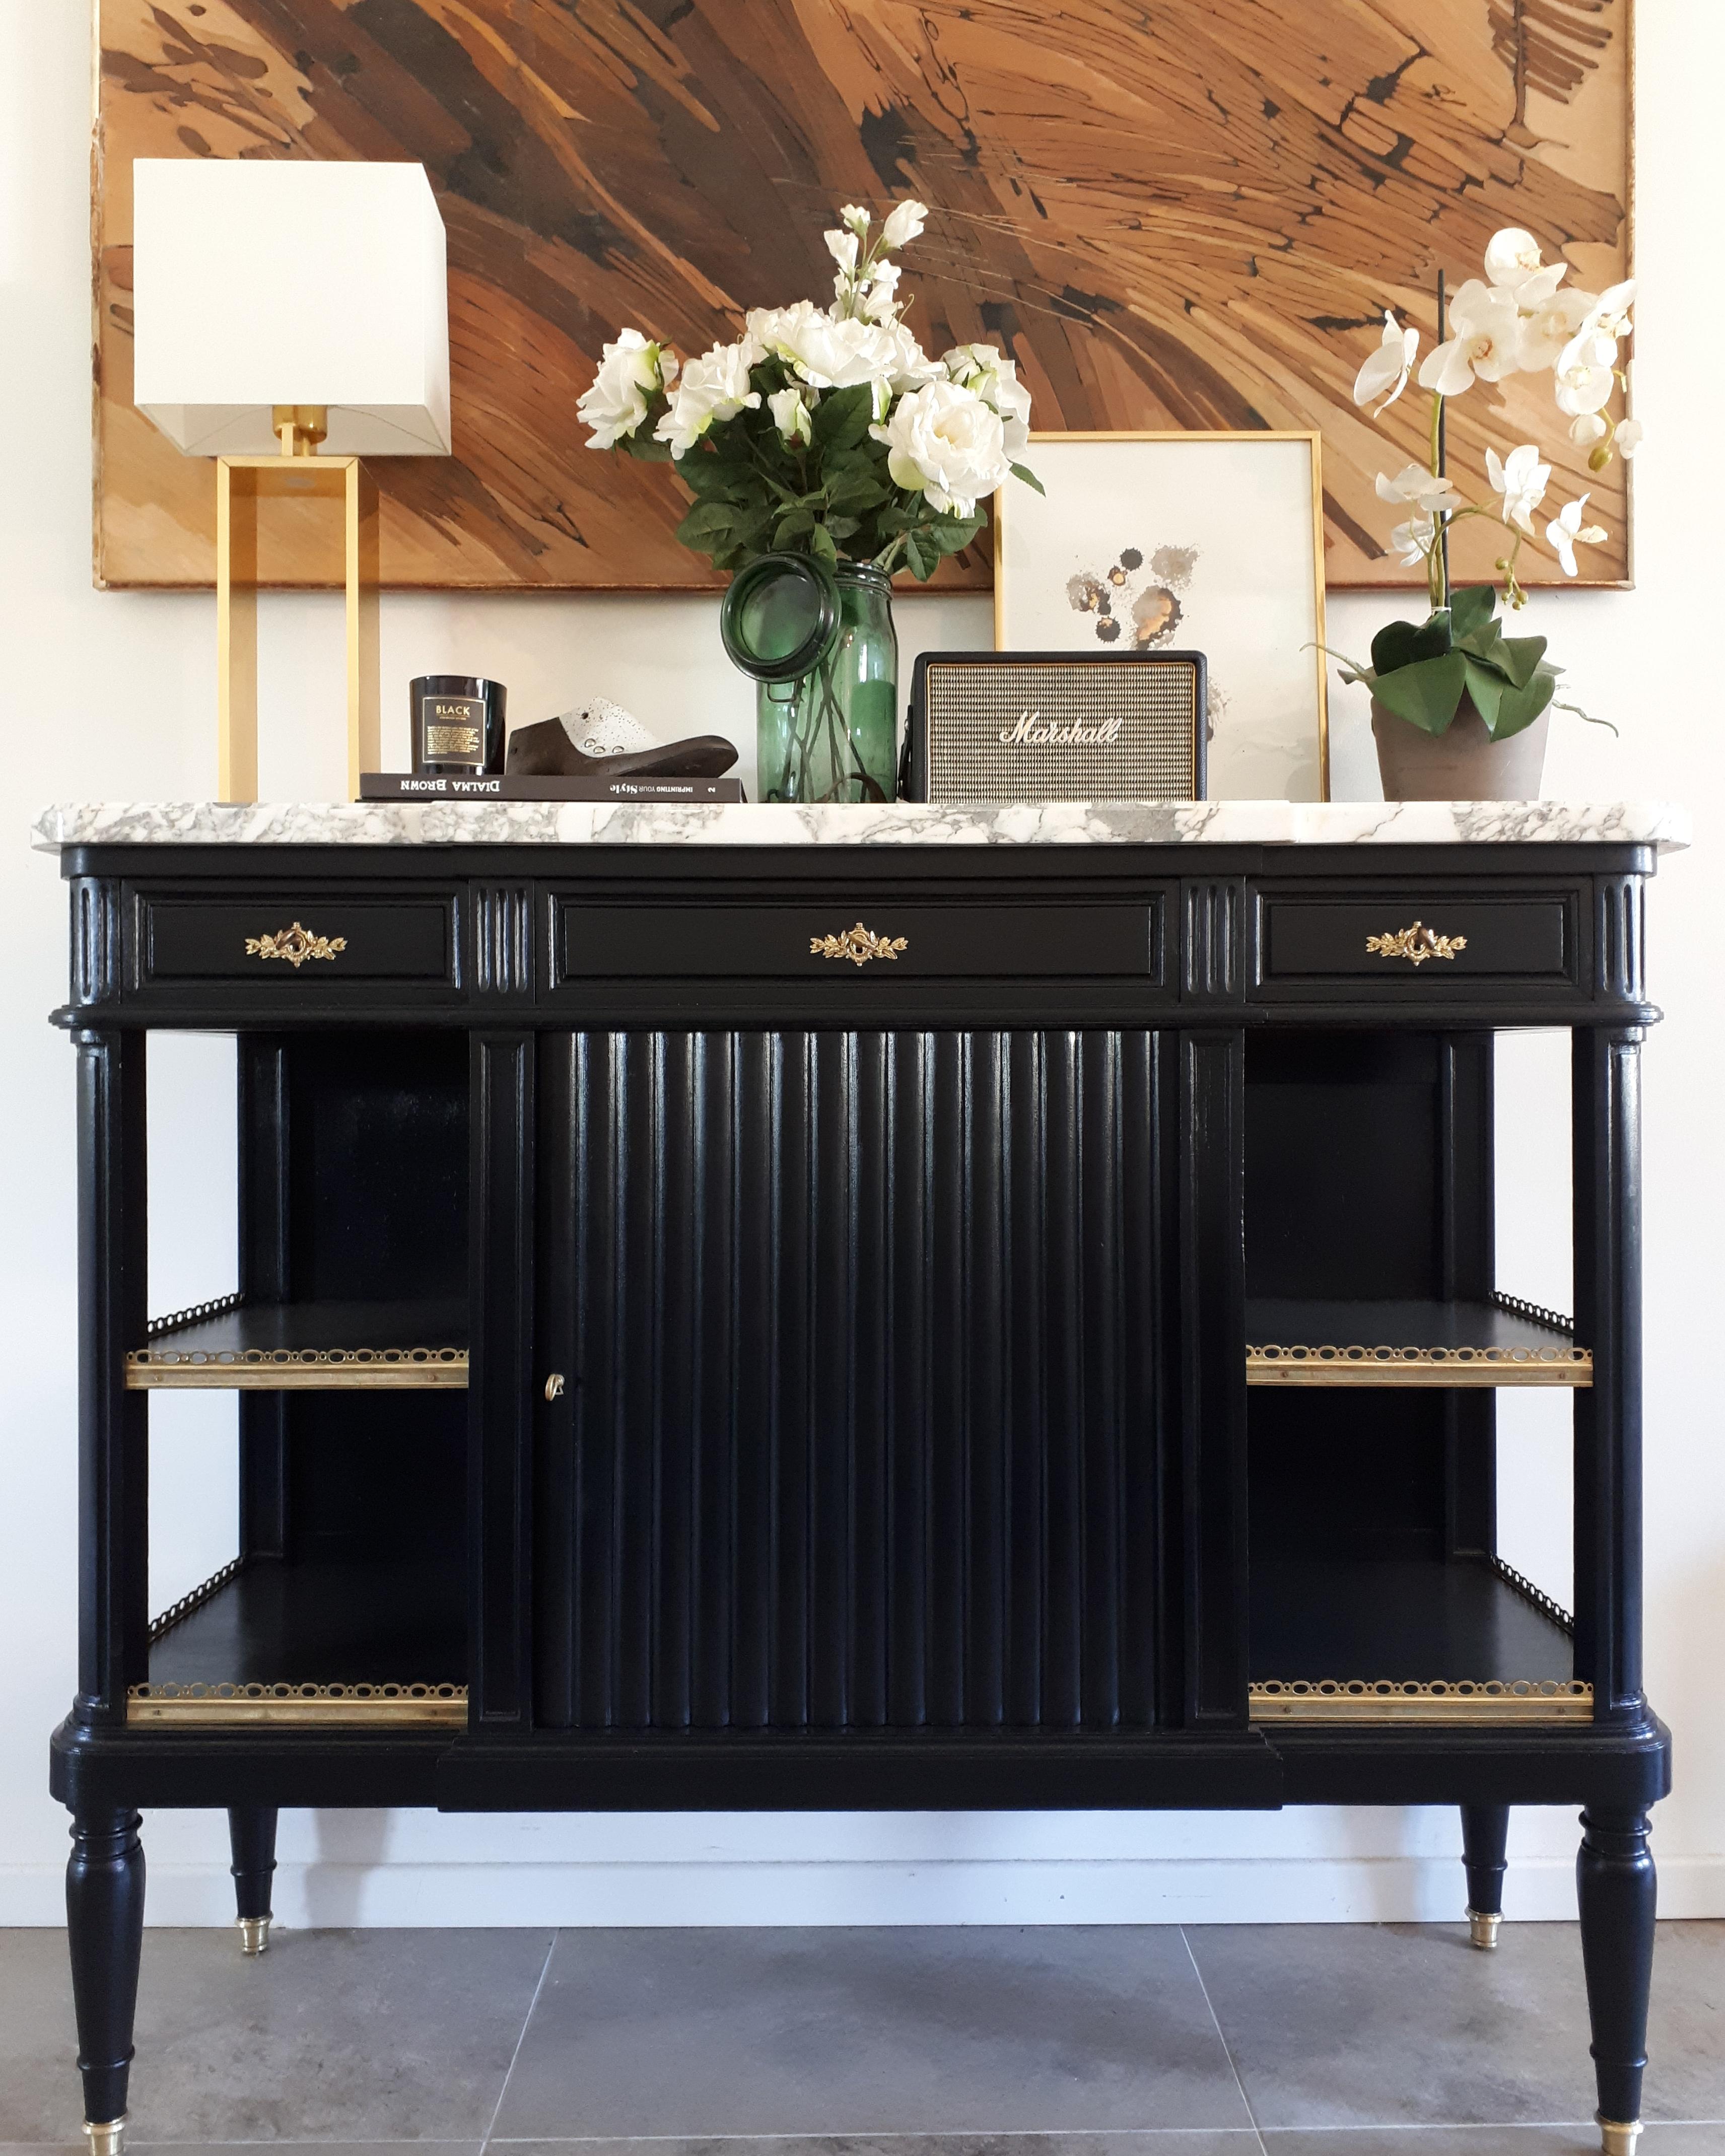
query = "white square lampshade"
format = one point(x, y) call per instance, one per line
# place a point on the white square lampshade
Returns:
point(266, 282)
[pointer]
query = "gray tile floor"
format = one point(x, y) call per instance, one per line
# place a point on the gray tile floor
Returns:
point(1391, 2040)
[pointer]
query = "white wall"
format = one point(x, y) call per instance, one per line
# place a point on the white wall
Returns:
point(111, 696)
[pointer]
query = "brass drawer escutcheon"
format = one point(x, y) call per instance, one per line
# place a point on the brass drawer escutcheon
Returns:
point(295, 944)
point(1416, 944)
point(857, 944)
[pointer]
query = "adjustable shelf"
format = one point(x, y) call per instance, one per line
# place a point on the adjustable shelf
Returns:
point(1501, 1342)
point(304, 1346)
point(1456, 1640)
point(322, 1644)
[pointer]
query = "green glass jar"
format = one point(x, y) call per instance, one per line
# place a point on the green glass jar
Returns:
point(830, 730)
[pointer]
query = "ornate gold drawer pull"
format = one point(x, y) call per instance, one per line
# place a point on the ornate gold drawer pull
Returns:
point(295, 944)
point(1416, 945)
point(857, 944)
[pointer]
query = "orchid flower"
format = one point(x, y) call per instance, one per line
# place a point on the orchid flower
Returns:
point(1415, 483)
point(1628, 438)
point(1594, 343)
point(1411, 542)
point(1513, 255)
point(1522, 479)
point(1388, 366)
point(1487, 328)
point(1566, 531)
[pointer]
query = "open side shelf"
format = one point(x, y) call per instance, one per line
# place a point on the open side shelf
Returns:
point(1462, 1639)
point(304, 1346)
point(323, 1643)
point(1501, 1342)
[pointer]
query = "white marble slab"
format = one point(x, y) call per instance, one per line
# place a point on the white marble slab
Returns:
point(901, 824)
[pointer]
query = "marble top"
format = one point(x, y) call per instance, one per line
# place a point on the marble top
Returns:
point(901, 824)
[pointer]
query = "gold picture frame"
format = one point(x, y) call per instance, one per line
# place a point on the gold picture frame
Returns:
point(1167, 612)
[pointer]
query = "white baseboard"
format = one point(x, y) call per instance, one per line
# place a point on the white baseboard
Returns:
point(1298, 1891)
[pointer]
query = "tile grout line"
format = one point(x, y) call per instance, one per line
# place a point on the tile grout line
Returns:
point(1227, 2049)
point(526, 2020)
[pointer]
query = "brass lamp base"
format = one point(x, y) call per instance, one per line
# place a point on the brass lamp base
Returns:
point(298, 473)
point(255, 1934)
point(109, 2140)
point(1483, 1929)
point(1616, 2139)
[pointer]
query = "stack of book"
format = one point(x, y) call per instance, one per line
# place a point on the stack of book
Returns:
point(507, 786)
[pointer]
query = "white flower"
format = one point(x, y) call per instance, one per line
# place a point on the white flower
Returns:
point(906, 222)
point(714, 386)
point(995, 380)
point(944, 442)
point(631, 371)
point(1582, 387)
point(1628, 438)
point(791, 415)
point(904, 364)
point(1567, 530)
point(1594, 343)
point(1513, 255)
point(841, 245)
point(1487, 333)
point(855, 217)
point(882, 303)
point(1388, 366)
point(1411, 542)
point(1414, 483)
point(1522, 479)
point(1588, 428)
point(828, 354)
point(1548, 326)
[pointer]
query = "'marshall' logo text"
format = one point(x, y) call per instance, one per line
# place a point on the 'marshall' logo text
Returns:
point(1028, 732)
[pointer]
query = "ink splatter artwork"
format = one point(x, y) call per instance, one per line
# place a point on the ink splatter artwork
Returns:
point(1132, 608)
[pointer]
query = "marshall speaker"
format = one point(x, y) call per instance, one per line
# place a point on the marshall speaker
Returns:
point(1056, 726)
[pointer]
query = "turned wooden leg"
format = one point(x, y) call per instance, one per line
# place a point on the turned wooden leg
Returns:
point(251, 1834)
point(1616, 1889)
point(1485, 1828)
point(105, 1925)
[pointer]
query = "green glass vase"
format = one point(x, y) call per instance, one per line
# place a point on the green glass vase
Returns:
point(831, 733)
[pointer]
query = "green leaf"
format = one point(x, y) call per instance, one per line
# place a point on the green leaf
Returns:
point(1425, 694)
point(644, 448)
point(820, 541)
point(1519, 656)
point(1400, 644)
point(1030, 478)
point(1488, 689)
point(922, 564)
point(843, 416)
point(1518, 708)
point(1471, 610)
point(791, 525)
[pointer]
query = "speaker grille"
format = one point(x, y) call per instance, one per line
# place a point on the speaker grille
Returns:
point(1003, 730)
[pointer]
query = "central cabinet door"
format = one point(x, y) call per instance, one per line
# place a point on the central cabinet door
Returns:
point(872, 1393)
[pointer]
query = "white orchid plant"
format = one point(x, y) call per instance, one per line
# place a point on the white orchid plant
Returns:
point(1520, 319)
point(824, 430)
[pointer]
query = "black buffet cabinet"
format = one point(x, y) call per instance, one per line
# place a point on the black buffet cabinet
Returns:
point(834, 1327)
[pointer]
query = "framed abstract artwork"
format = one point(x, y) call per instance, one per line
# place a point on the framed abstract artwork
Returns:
point(1163, 541)
point(1191, 216)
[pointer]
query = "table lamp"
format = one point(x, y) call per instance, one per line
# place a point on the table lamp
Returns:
point(290, 319)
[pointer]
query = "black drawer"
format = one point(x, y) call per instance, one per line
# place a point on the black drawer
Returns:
point(1420, 941)
point(819, 939)
point(294, 943)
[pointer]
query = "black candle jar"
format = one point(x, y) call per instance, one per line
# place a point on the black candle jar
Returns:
point(456, 724)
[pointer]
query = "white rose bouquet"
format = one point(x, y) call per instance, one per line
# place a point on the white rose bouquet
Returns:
point(824, 430)
point(1520, 318)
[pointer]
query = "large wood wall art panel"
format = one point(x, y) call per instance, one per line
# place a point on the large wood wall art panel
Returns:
point(1187, 215)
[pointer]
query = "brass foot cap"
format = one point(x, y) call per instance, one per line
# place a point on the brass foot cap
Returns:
point(1616, 2139)
point(110, 2139)
point(1482, 1928)
point(255, 1934)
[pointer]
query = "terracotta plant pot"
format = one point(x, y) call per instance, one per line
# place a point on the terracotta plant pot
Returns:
point(1463, 763)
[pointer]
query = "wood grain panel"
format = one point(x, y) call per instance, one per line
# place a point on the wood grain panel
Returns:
point(1192, 215)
